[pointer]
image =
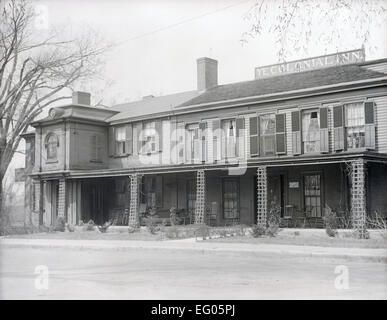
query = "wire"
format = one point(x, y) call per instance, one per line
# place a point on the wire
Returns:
point(181, 22)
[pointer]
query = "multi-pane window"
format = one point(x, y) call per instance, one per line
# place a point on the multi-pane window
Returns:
point(311, 131)
point(230, 199)
point(312, 194)
point(229, 138)
point(149, 137)
point(267, 134)
point(120, 140)
point(96, 148)
point(52, 146)
point(193, 142)
point(355, 125)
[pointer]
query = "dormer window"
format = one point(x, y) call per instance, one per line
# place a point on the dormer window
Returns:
point(52, 144)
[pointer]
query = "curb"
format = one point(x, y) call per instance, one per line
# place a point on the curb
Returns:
point(199, 247)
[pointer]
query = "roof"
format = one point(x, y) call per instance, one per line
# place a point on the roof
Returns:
point(284, 83)
point(152, 105)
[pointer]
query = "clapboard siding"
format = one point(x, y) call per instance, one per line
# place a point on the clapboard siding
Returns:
point(381, 123)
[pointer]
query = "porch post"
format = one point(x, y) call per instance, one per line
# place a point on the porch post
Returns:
point(134, 220)
point(62, 198)
point(200, 197)
point(261, 196)
point(358, 199)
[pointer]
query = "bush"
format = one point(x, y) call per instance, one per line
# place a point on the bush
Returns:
point(151, 226)
point(70, 227)
point(105, 226)
point(330, 222)
point(203, 231)
point(172, 232)
point(59, 224)
point(361, 234)
point(258, 231)
point(90, 226)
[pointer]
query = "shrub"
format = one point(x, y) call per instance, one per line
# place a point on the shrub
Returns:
point(361, 234)
point(330, 222)
point(105, 226)
point(70, 227)
point(59, 224)
point(151, 226)
point(90, 226)
point(172, 232)
point(258, 231)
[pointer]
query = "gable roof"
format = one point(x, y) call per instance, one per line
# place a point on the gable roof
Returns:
point(151, 105)
point(284, 83)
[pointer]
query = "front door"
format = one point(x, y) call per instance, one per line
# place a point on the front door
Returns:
point(54, 201)
point(312, 195)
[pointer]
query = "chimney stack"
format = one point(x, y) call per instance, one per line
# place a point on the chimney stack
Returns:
point(80, 97)
point(207, 73)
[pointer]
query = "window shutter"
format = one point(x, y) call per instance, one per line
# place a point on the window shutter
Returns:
point(112, 141)
point(324, 137)
point(93, 148)
point(159, 135)
point(369, 125)
point(180, 142)
point(296, 133)
point(223, 142)
point(240, 136)
point(253, 136)
point(203, 141)
point(280, 139)
point(216, 139)
point(159, 191)
point(129, 139)
point(338, 127)
point(140, 138)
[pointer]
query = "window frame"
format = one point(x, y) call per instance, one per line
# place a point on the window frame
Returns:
point(149, 137)
point(302, 113)
point(120, 143)
point(322, 189)
point(262, 146)
point(359, 104)
point(48, 144)
point(96, 148)
point(190, 143)
point(237, 182)
point(225, 139)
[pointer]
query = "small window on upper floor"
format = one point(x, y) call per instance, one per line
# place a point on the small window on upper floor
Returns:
point(355, 125)
point(120, 140)
point(311, 131)
point(149, 137)
point(52, 144)
point(96, 148)
point(267, 134)
point(229, 138)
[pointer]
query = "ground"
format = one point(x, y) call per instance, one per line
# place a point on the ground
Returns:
point(168, 274)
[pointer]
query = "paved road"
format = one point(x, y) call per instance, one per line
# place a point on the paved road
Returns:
point(168, 274)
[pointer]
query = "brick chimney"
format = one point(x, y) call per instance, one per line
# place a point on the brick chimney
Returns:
point(80, 97)
point(207, 73)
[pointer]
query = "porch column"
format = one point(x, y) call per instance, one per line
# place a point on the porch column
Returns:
point(62, 198)
point(134, 220)
point(200, 197)
point(358, 198)
point(261, 196)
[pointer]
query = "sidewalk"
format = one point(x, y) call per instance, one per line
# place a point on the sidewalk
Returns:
point(201, 246)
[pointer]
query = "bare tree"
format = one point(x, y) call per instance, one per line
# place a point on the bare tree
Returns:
point(298, 25)
point(36, 69)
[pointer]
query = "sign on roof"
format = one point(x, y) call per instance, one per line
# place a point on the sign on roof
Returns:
point(326, 61)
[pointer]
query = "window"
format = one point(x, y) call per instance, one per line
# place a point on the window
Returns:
point(267, 131)
point(149, 137)
point(311, 131)
point(120, 140)
point(312, 194)
point(193, 142)
point(230, 199)
point(355, 124)
point(96, 148)
point(229, 138)
point(152, 191)
point(52, 144)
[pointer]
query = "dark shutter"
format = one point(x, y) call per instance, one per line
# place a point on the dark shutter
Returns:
point(203, 140)
point(180, 142)
point(216, 139)
point(93, 148)
point(240, 136)
point(253, 136)
point(159, 135)
point(140, 138)
point(324, 136)
point(159, 191)
point(369, 125)
point(129, 139)
point(338, 127)
point(296, 133)
point(112, 142)
point(280, 133)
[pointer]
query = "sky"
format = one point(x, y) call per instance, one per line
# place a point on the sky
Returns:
point(156, 43)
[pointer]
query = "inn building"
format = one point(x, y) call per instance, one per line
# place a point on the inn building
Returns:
point(296, 138)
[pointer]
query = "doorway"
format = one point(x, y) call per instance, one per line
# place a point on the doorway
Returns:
point(54, 200)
